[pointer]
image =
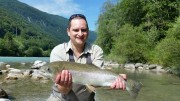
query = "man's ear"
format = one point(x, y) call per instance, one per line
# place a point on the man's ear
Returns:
point(68, 32)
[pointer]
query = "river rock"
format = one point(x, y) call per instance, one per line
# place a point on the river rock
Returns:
point(129, 66)
point(15, 71)
point(160, 69)
point(23, 63)
point(3, 94)
point(111, 64)
point(3, 66)
point(14, 76)
point(38, 64)
point(4, 71)
point(152, 66)
point(40, 75)
point(4, 99)
point(137, 65)
point(140, 68)
point(27, 73)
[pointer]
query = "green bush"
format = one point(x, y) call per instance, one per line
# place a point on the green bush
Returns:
point(130, 45)
point(46, 53)
point(168, 50)
point(34, 52)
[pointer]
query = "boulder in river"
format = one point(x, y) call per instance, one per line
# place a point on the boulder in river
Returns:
point(3, 66)
point(38, 64)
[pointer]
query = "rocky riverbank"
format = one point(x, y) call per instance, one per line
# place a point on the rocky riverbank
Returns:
point(136, 67)
point(35, 72)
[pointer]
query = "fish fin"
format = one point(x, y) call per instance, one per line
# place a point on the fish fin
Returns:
point(91, 88)
point(133, 87)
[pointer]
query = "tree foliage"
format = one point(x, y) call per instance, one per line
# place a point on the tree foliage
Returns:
point(130, 45)
point(17, 35)
point(141, 31)
point(106, 27)
point(168, 50)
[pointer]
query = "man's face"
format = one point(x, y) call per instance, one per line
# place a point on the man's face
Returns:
point(78, 32)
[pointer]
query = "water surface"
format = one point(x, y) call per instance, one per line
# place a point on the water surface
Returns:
point(156, 87)
point(23, 59)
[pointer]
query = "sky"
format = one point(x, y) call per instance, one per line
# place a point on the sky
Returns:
point(90, 8)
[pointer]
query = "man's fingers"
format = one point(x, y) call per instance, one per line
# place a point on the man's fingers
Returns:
point(124, 85)
point(124, 76)
point(70, 79)
point(62, 77)
point(119, 83)
point(66, 77)
point(113, 85)
point(58, 78)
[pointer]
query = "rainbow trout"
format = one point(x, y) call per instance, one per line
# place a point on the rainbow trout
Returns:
point(91, 75)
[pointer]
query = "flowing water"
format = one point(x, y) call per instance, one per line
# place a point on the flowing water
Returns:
point(156, 86)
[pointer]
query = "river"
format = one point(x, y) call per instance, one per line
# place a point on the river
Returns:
point(156, 86)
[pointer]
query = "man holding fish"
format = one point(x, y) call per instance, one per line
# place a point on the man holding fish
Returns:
point(80, 51)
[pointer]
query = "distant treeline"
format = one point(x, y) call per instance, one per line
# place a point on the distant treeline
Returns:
point(146, 31)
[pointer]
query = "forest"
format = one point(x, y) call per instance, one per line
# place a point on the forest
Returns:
point(19, 38)
point(26, 31)
point(146, 31)
point(29, 32)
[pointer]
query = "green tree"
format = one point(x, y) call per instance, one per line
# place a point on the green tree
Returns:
point(168, 50)
point(107, 26)
point(130, 11)
point(34, 51)
point(130, 45)
point(159, 14)
point(152, 18)
point(10, 46)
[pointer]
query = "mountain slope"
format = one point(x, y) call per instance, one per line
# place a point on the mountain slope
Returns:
point(26, 31)
point(54, 25)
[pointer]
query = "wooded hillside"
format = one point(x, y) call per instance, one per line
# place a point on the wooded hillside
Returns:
point(26, 31)
point(147, 31)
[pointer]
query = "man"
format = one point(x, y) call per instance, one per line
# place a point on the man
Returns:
point(80, 51)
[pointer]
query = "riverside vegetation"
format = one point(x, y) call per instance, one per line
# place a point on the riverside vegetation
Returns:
point(146, 31)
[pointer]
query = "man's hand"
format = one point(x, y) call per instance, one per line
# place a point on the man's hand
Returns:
point(120, 82)
point(64, 81)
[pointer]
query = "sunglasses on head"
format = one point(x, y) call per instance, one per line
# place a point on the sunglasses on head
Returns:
point(77, 15)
